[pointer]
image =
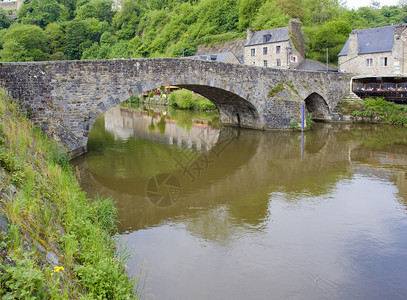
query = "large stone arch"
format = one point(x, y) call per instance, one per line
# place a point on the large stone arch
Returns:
point(316, 105)
point(233, 109)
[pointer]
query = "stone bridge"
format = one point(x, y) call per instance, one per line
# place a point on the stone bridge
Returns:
point(65, 98)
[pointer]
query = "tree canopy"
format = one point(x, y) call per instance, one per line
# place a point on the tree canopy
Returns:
point(100, 29)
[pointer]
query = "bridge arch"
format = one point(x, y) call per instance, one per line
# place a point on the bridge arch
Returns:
point(316, 105)
point(233, 109)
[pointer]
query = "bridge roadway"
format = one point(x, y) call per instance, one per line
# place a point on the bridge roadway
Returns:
point(65, 98)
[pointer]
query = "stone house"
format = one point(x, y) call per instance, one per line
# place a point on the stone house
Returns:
point(281, 48)
point(375, 51)
point(226, 57)
point(11, 4)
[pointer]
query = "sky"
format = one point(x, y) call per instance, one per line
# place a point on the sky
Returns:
point(358, 3)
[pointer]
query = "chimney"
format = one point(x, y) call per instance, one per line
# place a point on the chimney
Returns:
point(249, 34)
point(294, 29)
point(353, 45)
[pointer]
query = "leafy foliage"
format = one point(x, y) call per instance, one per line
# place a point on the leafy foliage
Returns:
point(103, 29)
point(376, 110)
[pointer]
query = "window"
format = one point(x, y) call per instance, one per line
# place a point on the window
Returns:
point(278, 62)
point(253, 52)
point(369, 62)
point(278, 49)
point(265, 63)
point(383, 61)
point(293, 58)
point(266, 38)
point(264, 50)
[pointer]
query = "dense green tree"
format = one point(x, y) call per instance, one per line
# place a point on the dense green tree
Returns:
point(77, 32)
point(293, 8)
point(320, 11)
point(270, 16)
point(24, 43)
point(5, 21)
point(98, 9)
point(247, 12)
point(41, 12)
point(55, 37)
point(331, 35)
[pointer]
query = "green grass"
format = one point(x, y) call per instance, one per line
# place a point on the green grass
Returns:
point(376, 110)
point(46, 208)
point(185, 99)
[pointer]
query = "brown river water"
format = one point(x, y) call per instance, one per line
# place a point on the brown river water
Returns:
point(224, 213)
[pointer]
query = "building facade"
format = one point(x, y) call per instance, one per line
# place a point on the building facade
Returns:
point(375, 51)
point(280, 48)
point(11, 5)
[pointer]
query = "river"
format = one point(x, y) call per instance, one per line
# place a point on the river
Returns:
point(211, 212)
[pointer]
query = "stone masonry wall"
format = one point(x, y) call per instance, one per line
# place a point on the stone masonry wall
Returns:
point(65, 98)
point(11, 5)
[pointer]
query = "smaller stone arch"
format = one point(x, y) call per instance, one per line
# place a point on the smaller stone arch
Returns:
point(316, 105)
point(233, 109)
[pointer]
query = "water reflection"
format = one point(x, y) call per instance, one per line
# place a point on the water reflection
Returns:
point(260, 214)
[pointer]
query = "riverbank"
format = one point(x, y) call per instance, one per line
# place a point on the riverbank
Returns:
point(376, 111)
point(182, 99)
point(54, 241)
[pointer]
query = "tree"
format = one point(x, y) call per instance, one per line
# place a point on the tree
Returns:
point(24, 43)
point(331, 35)
point(270, 16)
point(247, 12)
point(321, 11)
point(293, 8)
point(40, 12)
point(98, 9)
point(55, 37)
point(76, 33)
point(5, 21)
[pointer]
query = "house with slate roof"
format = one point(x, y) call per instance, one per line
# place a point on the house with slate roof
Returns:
point(226, 57)
point(281, 48)
point(375, 51)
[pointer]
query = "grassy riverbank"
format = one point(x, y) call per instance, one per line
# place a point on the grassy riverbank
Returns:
point(182, 99)
point(375, 110)
point(55, 243)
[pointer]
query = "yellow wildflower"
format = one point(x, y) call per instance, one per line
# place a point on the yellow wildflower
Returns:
point(57, 269)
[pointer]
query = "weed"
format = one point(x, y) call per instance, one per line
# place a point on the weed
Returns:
point(376, 110)
point(22, 281)
point(294, 125)
point(275, 90)
point(17, 178)
point(48, 203)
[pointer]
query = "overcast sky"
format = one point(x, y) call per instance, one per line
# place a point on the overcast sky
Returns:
point(359, 3)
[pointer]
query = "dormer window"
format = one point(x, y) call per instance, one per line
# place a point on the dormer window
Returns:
point(266, 38)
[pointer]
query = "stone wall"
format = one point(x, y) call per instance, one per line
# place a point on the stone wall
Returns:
point(11, 5)
point(237, 47)
point(65, 98)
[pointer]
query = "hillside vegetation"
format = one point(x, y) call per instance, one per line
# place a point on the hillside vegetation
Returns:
point(55, 243)
point(102, 29)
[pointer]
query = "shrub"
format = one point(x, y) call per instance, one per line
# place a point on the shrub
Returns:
point(185, 99)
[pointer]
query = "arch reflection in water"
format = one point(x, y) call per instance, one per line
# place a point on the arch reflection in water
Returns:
point(261, 220)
